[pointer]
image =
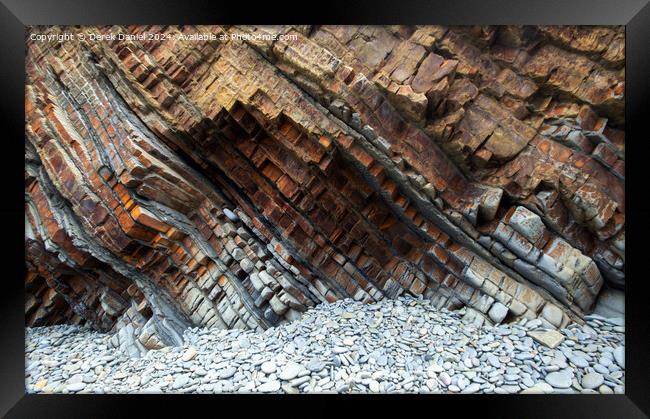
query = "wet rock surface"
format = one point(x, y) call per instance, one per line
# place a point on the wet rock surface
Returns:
point(403, 345)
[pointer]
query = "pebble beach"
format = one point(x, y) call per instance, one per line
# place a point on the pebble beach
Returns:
point(393, 346)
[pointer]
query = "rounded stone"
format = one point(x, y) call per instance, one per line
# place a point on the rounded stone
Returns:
point(315, 365)
point(592, 380)
point(270, 387)
point(268, 367)
point(227, 373)
point(231, 215)
point(472, 388)
point(579, 361)
point(74, 387)
point(619, 356)
point(289, 371)
point(374, 386)
point(444, 378)
point(558, 379)
point(603, 389)
point(539, 388)
point(498, 312)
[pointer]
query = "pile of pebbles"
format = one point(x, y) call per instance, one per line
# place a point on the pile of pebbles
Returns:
point(402, 345)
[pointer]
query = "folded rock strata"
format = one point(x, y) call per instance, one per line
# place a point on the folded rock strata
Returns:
point(237, 182)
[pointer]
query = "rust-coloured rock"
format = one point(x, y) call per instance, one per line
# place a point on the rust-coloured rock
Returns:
point(237, 182)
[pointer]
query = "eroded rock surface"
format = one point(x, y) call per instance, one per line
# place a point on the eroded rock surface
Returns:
point(236, 183)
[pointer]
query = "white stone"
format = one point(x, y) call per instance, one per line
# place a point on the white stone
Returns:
point(269, 387)
point(553, 314)
point(189, 354)
point(268, 367)
point(289, 371)
point(498, 312)
point(548, 338)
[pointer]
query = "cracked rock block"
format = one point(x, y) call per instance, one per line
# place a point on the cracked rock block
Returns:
point(498, 312)
point(527, 223)
point(237, 183)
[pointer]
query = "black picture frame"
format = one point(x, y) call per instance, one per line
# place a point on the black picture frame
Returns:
point(16, 14)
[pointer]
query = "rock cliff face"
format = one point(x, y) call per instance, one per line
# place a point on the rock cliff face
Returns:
point(236, 182)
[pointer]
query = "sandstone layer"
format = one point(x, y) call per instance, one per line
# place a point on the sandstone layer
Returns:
point(236, 182)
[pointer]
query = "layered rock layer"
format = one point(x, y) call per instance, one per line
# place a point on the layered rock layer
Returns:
point(236, 182)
